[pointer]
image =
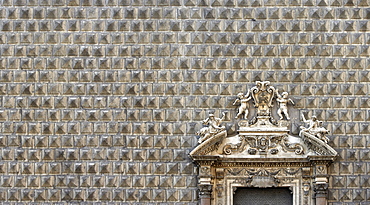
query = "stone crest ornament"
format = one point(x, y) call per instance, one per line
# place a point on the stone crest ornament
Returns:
point(262, 142)
point(262, 95)
point(263, 135)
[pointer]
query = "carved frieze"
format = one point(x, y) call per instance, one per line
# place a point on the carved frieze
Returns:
point(263, 144)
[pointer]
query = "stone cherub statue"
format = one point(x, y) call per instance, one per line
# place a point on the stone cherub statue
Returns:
point(243, 108)
point(212, 129)
point(315, 128)
point(283, 101)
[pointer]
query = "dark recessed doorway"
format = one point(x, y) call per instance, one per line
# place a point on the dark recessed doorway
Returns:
point(263, 196)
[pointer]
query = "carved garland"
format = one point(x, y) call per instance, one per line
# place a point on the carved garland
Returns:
point(263, 144)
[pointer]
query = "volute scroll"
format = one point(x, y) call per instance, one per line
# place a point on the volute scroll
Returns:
point(263, 153)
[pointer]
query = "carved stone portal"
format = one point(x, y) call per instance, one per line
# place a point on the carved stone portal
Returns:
point(263, 153)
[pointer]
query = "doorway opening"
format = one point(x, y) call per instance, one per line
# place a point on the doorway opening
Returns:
point(263, 196)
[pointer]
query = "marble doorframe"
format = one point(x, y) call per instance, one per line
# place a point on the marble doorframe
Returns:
point(231, 187)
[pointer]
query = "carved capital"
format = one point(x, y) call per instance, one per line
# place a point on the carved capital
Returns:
point(205, 190)
point(205, 171)
point(321, 170)
point(321, 190)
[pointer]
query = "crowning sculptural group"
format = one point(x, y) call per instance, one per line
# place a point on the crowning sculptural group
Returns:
point(262, 94)
point(262, 153)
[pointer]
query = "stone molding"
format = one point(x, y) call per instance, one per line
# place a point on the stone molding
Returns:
point(263, 153)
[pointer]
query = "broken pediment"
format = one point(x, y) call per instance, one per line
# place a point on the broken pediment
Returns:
point(263, 153)
point(262, 136)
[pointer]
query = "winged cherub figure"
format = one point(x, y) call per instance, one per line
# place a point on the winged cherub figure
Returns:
point(283, 101)
point(243, 108)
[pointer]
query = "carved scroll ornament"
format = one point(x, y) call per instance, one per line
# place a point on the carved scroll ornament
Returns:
point(262, 153)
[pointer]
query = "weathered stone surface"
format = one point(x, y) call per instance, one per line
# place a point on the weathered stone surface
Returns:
point(101, 99)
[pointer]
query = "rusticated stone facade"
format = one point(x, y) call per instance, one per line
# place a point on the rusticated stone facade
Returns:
point(101, 99)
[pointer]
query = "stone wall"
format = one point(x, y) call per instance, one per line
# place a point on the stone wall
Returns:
point(101, 98)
